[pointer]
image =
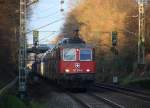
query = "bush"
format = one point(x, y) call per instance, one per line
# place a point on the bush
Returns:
point(11, 101)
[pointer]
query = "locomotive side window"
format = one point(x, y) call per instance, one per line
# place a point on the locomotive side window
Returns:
point(85, 54)
point(69, 54)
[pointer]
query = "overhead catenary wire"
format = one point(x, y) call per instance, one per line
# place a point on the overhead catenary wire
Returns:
point(47, 16)
point(45, 40)
point(45, 25)
point(45, 10)
point(44, 17)
point(46, 37)
point(49, 31)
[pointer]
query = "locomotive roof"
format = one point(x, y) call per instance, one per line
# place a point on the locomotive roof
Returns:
point(75, 46)
point(73, 43)
point(75, 40)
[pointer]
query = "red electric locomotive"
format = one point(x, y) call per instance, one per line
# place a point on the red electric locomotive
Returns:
point(71, 64)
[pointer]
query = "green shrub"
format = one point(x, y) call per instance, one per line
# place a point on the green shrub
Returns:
point(11, 101)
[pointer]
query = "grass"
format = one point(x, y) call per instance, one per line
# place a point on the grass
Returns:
point(1, 84)
point(136, 82)
point(11, 101)
point(126, 80)
point(36, 105)
point(142, 83)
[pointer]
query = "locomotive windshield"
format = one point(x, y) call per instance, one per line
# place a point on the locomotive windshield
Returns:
point(85, 54)
point(69, 54)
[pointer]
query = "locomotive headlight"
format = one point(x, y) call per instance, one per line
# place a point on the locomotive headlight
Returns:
point(88, 70)
point(67, 70)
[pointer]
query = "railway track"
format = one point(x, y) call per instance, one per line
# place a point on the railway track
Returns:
point(90, 100)
point(109, 102)
point(127, 91)
point(8, 86)
point(94, 98)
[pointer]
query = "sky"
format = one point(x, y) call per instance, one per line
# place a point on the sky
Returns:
point(46, 12)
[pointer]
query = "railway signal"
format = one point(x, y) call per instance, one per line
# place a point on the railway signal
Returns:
point(141, 39)
point(35, 38)
point(114, 38)
point(114, 50)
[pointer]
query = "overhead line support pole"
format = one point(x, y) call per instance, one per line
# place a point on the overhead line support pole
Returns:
point(22, 51)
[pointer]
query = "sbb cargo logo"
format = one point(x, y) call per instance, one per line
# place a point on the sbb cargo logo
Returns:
point(77, 65)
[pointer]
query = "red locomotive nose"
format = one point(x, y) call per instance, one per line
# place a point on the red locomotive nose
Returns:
point(71, 67)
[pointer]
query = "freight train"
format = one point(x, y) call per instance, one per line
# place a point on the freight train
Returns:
point(70, 63)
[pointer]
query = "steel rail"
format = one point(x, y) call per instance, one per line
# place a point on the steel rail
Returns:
point(126, 91)
point(8, 86)
point(98, 98)
point(125, 88)
point(107, 101)
point(85, 105)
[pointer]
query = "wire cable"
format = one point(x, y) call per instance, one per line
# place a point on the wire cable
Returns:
point(50, 15)
point(50, 31)
point(44, 17)
point(46, 37)
point(45, 25)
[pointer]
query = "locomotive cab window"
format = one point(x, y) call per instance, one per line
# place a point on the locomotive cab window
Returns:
point(69, 54)
point(85, 54)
